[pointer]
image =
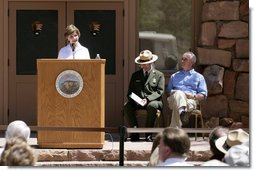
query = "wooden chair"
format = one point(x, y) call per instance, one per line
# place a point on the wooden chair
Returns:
point(198, 115)
point(141, 117)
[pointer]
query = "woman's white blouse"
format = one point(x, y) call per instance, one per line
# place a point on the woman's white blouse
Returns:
point(80, 52)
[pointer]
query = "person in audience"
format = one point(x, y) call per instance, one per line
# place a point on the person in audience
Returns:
point(156, 141)
point(17, 128)
point(147, 83)
point(221, 141)
point(73, 50)
point(185, 89)
point(173, 148)
point(154, 157)
point(238, 155)
point(216, 133)
point(17, 152)
point(234, 137)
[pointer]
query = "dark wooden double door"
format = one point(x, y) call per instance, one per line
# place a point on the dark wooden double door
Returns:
point(25, 47)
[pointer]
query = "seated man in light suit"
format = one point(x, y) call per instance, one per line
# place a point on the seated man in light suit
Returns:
point(147, 83)
point(185, 88)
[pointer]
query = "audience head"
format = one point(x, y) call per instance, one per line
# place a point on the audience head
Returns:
point(17, 153)
point(156, 141)
point(174, 142)
point(238, 155)
point(234, 137)
point(154, 158)
point(216, 133)
point(17, 128)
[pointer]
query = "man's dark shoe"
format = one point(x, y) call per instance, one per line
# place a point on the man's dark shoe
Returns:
point(184, 116)
point(134, 137)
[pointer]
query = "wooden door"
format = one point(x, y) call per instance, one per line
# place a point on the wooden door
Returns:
point(108, 42)
point(25, 46)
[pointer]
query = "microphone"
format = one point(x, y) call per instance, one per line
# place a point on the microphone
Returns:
point(73, 46)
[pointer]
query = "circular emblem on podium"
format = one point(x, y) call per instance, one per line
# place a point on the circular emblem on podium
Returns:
point(69, 83)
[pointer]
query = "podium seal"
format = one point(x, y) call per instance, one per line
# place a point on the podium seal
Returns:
point(69, 83)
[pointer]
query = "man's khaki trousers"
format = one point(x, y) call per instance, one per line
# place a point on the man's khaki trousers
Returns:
point(176, 100)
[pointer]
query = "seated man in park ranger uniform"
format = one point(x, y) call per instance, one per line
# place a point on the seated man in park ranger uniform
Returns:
point(148, 84)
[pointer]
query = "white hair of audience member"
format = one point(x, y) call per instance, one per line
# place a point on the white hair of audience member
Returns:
point(17, 128)
point(238, 155)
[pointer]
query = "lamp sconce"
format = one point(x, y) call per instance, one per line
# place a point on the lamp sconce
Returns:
point(95, 28)
point(37, 27)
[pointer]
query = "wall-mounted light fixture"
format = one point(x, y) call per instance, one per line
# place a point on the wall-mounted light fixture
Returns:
point(37, 27)
point(95, 27)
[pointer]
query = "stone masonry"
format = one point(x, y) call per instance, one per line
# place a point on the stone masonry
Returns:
point(223, 54)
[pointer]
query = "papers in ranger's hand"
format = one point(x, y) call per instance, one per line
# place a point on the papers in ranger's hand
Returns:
point(137, 99)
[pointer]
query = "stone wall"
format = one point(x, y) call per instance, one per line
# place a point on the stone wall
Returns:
point(223, 53)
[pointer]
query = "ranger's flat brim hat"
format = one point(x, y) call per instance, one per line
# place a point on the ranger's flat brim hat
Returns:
point(146, 57)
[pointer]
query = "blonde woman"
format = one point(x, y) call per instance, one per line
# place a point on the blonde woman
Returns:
point(73, 50)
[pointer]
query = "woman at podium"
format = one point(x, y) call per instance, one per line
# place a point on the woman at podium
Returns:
point(73, 50)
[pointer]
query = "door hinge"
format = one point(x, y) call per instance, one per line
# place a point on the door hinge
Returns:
point(8, 63)
point(8, 12)
point(123, 12)
point(123, 62)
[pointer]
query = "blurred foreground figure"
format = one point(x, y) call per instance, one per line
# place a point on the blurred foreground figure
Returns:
point(17, 153)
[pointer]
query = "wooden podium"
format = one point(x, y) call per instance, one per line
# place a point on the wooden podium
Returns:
point(70, 93)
